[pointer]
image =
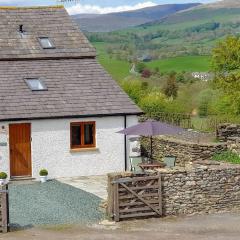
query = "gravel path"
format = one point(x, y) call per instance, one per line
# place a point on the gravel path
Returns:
point(50, 204)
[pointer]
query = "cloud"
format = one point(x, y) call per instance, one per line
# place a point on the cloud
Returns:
point(80, 8)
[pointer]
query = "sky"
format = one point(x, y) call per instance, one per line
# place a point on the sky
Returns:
point(98, 6)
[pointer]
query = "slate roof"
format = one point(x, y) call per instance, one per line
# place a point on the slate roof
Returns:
point(52, 22)
point(77, 86)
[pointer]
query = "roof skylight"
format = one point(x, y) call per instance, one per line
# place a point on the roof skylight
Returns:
point(46, 43)
point(36, 84)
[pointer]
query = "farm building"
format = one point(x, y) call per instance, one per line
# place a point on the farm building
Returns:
point(204, 76)
point(59, 109)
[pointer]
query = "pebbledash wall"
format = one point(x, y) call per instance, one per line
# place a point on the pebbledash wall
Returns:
point(50, 147)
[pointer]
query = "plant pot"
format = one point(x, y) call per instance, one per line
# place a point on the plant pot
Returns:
point(43, 179)
point(3, 181)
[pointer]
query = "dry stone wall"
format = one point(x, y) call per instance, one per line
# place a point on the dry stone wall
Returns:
point(230, 133)
point(196, 190)
point(202, 190)
point(227, 131)
point(185, 152)
point(4, 217)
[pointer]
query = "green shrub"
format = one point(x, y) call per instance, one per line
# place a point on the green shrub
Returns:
point(153, 102)
point(43, 172)
point(3, 175)
point(140, 67)
point(134, 89)
point(204, 99)
point(227, 156)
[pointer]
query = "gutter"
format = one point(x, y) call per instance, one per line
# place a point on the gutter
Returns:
point(70, 116)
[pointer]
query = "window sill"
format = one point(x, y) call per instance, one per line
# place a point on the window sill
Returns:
point(84, 150)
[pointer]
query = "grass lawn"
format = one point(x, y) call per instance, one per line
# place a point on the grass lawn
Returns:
point(178, 64)
point(227, 156)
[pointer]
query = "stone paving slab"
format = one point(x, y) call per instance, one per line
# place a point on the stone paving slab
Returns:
point(96, 185)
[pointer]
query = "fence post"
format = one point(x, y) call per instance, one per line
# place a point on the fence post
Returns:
point(116, 202)
point(160, 193)
point(4, 209)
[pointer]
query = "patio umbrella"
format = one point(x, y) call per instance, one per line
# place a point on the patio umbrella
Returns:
point(152, 128)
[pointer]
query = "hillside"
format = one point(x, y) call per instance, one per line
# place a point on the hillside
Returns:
point(181, 41)
point(119, 69)
point(189, 32)
point(122, 20)
point(224, 4)
point(222, 12)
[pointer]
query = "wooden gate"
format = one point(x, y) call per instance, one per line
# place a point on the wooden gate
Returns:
point(4, 209)
point(135, 197)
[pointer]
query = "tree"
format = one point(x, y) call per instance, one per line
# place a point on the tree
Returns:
point(153, 103)
point(226, 66)
point(204, 100)
point(171, 87)
point(146, 73)
point(180, 78)
point(133, 88)
point(140, 66)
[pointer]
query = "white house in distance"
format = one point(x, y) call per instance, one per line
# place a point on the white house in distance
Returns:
point(204, 76)
point(59, 109)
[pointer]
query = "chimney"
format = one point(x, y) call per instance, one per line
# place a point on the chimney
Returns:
point(21, 28)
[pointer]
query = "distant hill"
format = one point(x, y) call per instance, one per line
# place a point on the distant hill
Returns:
point(224, 4)
point(221, 11)
point(122, 20)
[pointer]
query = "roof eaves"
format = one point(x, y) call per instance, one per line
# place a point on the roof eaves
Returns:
point(31, 7)
point(72, 116)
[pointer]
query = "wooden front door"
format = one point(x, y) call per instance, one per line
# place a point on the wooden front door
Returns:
point(20, 149)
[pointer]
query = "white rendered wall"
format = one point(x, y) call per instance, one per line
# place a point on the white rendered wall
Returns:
point(51, 148)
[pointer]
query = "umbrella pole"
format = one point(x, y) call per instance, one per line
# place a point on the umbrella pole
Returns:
point(151, 153)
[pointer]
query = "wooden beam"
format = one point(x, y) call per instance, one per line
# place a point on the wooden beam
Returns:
point(160, 193)
point(116, 203)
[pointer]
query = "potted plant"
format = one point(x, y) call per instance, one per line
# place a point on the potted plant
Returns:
point(43, 175)
point(3, 177)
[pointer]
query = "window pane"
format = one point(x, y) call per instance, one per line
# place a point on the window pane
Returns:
point(88, 134)
point(35, 84)
point(76, 135)
point(46, 43)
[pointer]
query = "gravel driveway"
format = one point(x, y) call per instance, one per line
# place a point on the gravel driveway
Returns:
point(51, 203)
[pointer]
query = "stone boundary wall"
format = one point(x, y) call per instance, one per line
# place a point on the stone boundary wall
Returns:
point(198, 190)
point(185, 152)
point(227, 131)
point(203, 190)
point(4, 209)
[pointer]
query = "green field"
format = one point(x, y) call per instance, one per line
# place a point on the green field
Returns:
point(120, 69)
point(178, 64)
point(116, 68)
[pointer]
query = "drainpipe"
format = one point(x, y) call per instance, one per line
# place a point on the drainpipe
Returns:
point(125, 144)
